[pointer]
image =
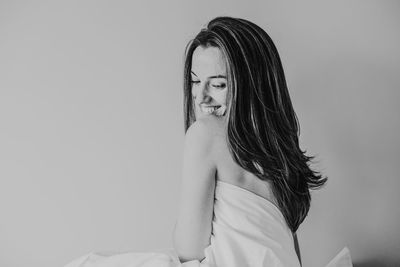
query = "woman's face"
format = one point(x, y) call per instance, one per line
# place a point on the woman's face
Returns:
point(209, 82)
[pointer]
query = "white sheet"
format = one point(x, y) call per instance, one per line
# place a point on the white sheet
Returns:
point(248, 230)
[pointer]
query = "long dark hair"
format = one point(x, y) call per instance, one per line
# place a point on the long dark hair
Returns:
point(262, 130)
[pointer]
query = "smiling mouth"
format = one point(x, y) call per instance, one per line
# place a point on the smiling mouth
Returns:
point(209, 109)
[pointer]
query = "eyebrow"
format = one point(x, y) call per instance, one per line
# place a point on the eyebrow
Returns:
point(211, 77)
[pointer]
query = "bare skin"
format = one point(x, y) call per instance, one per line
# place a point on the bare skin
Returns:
point(207, 158)
point(209, 88)
point(228, 170)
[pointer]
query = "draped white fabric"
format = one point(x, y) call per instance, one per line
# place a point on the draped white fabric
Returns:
point(248, 230)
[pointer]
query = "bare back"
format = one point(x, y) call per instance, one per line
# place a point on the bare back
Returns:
point(228, 170)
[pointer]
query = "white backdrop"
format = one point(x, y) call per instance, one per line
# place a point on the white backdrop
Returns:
point(91, 123)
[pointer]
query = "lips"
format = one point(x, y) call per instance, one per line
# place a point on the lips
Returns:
point(208, 109)
point(210, 106)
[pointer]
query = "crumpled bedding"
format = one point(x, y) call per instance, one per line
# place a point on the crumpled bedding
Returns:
point(248, 230)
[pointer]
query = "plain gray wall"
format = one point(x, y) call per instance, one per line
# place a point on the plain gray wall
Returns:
point(91, 123)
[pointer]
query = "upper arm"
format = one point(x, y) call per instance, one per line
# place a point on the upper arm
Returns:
point(194, 224)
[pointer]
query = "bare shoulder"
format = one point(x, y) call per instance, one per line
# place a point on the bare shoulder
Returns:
point(205, 129)
point(204, 134)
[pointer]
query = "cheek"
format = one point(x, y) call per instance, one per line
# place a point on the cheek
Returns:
point(221, 96)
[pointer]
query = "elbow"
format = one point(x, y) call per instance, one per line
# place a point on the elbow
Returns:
point(187, 251)
point(185, 255)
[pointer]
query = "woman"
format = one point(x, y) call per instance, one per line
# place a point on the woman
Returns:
point(245, 186)
point(250, 139)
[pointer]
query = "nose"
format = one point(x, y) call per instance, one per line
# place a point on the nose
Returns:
point(201, 94)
